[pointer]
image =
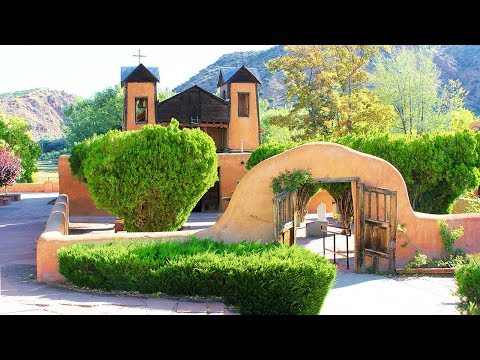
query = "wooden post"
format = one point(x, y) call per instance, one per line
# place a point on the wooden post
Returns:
point(359, 225)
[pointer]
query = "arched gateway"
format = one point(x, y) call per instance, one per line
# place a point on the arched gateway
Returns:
point(250, 214)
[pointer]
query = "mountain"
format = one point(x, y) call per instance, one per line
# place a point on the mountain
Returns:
point(41, 108)
point(271, 87)
point(455, 61)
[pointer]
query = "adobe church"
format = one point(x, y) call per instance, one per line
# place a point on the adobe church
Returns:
point(232, 120)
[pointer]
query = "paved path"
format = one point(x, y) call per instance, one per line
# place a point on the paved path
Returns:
point(22, 222)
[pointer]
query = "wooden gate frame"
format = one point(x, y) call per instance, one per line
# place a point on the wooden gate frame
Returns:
point(285, 218)
point(362, 220)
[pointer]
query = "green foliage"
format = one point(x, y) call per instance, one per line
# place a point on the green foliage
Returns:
point(326, 85)
point(272, 132)
point(437, 168)
point(449, 236)
point(297, 180)
point(473, 206)
point(16, 133)
point(78, 156)
point(53, 155)
point(409, 80)
point(97, 115)
point(468, 287)
point(151, 178)
point(49, 144)
point(266, 151)
point(255, 278)
point(418, 261)
point(164, 94)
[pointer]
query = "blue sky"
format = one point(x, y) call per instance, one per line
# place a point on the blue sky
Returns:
point(85, 69)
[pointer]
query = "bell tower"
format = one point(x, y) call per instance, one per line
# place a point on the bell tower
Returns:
point(140, 96)
point(239, 86)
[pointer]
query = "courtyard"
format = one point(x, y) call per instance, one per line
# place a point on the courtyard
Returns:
point(22, 223)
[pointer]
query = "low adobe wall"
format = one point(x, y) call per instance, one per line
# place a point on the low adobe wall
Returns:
point(81, 203)
point(251, 217)
point(47, 186)
point(55, 237)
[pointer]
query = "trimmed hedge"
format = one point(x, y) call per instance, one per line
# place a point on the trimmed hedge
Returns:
point(468, 283)
point(255, 278)
point(152, 178)
point(437, 168)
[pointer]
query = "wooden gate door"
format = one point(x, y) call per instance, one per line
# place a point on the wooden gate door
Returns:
point(285, 217)
point(375, 232)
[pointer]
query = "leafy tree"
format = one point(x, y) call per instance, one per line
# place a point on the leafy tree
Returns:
point(16, 133)
point(49, 144)
point(152, 178)
point(9, 166)
point(164, 94)
point(409, 80)
point(96, 115)
point(326, 84)
point(272, 132)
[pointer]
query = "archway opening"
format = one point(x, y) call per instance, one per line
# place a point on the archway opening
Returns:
point(323, 230)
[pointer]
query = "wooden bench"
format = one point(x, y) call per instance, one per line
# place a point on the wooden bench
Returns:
point(13, 196)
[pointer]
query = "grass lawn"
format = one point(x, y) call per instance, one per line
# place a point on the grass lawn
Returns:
point(47, 171)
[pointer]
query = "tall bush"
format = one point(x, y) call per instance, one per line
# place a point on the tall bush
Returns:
point(151, 178)
point(16, 133)
point(9, 167)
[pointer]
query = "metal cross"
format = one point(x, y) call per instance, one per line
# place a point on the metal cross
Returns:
point(139, 56)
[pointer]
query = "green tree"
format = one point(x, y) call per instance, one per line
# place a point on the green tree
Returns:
point(96, 115)
point(164, 94)
point(16, 133)
point(409, 80)
point(272, 132)
point(326, 85)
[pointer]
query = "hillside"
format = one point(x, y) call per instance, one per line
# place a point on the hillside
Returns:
point(41, 108)
point(456, 62)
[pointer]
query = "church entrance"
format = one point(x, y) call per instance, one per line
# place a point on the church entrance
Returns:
point(210, 202)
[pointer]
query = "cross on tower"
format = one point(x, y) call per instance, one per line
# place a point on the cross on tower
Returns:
point(139, 56)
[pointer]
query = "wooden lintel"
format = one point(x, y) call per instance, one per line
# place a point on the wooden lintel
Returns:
point(201, 125)
point(335, 180)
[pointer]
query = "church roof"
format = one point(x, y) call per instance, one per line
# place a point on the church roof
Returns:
point(139, 73)
point(238, 74)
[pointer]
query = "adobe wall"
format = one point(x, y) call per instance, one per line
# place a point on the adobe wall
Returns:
point(47, 186)
point(81, 203)
point(250, 214)
point(232, 168)
point(322, 196)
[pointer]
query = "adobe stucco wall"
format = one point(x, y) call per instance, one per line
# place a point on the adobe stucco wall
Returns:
point(47, 186)
point(250, 214)
point(81, 203)
point(322, 196)
point(232, 168)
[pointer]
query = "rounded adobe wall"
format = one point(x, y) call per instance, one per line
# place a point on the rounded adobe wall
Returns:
point(250, 213)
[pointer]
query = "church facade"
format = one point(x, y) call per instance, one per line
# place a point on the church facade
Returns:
point(231, 120)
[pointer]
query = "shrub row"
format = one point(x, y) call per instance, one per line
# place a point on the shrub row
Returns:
point(255, 278)
point(468, 286)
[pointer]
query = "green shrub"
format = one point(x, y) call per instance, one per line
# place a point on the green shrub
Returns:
point(297, 180)
point(266, 151)
point(449, 236)
point(255, 278)
point(468, 286)
point(151, 178)
point(437, 169)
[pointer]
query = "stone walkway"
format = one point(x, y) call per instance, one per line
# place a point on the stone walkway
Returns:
point(22, 222)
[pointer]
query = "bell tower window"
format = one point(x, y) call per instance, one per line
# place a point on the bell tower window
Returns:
point(243, 104)
point(141, 113)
